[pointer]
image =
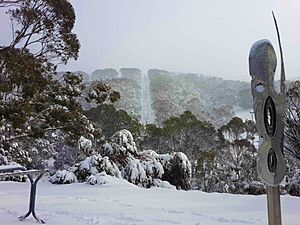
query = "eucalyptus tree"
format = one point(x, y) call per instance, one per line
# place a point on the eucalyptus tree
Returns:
point(34, 98)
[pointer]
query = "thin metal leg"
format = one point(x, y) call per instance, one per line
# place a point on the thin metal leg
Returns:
point(23, 217)
point(32, 199)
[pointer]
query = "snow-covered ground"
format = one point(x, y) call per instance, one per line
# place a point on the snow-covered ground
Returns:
point(119, 202)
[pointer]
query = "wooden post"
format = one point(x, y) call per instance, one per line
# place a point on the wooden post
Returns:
point(273, 201)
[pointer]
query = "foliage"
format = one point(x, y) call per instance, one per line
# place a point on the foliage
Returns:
point(232, 165)
point(208, 98)
point(131, 73)
point(130, 90)
point(110, 120)
point(121, 158)
point(292, 121)
point(104, 74)
point(245, 99)
point(45, 26)
point(34, 101)
point(184, 134)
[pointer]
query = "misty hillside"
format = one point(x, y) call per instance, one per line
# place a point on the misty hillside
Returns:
point(170, 94)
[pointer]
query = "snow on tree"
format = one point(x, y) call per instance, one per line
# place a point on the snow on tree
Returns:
point(93, 165)
point(122, 143)
point(292, 121)
point(135, 173)
point(144, 170)
point(35, 99)
point(141, 168)
point(3, 157)
point(66, 157)
point(294, 186)
point(178, 170)
point(84, 144)
point(122, 160)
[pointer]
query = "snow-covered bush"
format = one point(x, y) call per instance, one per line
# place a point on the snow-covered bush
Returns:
point(122, 160)
point(121, 143)
point(96, 179)
point(149, 167)
point(63, 177)
point(178, 170)
point(294, 186)
point(255, 188)
point(135, 173)
point(95, 164)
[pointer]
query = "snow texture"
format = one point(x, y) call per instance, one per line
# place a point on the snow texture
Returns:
point(118, 202)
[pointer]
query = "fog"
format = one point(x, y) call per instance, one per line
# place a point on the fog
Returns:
point(209, 37)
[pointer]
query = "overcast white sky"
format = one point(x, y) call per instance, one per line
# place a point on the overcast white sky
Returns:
point(203, 36)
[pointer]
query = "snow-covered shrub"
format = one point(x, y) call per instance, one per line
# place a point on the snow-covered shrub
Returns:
point(144, 169)
point(96, 179)
point(152, 164)
point(121, 143)
point(95, 164)
point(63, 177)
point(255, 188)
point(84, 144)
point(174, 168)
point(135, 173)
point(122, 160)
point(163, 184)
point(177, 169)
point(294, 186)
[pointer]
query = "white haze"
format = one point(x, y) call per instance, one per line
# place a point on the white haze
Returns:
point(212, 37)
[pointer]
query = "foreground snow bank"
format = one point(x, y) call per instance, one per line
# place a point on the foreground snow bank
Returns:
point(120, 202)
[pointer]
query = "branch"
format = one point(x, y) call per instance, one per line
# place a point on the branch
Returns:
point(9, 3)
point(28, 134)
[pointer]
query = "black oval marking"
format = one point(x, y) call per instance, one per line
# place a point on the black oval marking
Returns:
point(272, 161)
point(270, 117)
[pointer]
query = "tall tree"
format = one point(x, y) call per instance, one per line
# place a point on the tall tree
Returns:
point(292, 121)
point(32, 102)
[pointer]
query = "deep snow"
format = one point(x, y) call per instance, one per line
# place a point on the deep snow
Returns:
point(119, 202)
